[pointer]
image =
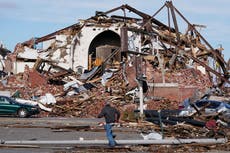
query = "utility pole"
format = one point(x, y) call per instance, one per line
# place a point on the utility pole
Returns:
point(141, 97)
point(139, 77)
point(138, 64)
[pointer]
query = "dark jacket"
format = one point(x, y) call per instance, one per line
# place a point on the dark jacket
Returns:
point(111, 114)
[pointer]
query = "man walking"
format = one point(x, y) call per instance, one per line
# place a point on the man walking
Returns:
point(111, 116)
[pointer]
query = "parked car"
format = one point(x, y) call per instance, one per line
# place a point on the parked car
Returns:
point(208, 107)
point(9, 106)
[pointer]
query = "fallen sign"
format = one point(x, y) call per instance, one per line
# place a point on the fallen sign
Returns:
point(119, 142)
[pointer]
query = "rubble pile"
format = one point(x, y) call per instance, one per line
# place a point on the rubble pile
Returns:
point(28, 84)
point(88, 102)
point(191, 76)
point(162, 103)
point(184, 77)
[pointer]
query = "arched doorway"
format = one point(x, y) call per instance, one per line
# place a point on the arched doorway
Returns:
point(106, 38)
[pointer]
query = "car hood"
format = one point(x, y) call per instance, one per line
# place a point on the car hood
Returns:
point(24, 105)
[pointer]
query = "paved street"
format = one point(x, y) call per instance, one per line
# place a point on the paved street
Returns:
point(57, 129)
point(45, 132)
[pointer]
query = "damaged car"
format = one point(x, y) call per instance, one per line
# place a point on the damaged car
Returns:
point(204, 105)
point(9, 106)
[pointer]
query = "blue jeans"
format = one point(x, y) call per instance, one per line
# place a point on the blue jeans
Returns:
point(109, 134)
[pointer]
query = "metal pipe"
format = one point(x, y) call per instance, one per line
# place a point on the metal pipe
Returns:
point(141, 98)
point(119, 142)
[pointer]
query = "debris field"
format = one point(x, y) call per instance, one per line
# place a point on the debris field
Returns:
point(126, 60)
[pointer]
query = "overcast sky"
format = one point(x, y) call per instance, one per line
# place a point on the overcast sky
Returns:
point(24, 19)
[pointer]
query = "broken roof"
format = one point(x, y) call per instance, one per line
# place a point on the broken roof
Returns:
point(171, 42)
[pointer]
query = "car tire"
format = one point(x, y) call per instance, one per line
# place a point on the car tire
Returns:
point(22, 113)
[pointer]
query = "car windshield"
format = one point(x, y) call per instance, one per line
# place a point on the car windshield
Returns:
point(4, 100)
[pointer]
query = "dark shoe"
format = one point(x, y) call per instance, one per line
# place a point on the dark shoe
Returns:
point(111, 146)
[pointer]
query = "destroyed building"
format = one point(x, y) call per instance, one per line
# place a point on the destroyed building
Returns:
point(3, 65)
point(131, 59)
point(165, 61)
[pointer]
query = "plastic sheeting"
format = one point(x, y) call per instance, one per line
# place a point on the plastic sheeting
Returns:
point(47, 99)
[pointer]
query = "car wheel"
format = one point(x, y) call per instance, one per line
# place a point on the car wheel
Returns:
point(22, 113)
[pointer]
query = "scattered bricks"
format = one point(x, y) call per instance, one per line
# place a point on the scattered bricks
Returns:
point(131, 75)
point(35, 79)
point(162, 104)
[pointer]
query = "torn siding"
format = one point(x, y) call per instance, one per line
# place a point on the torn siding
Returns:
point(28, 53)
